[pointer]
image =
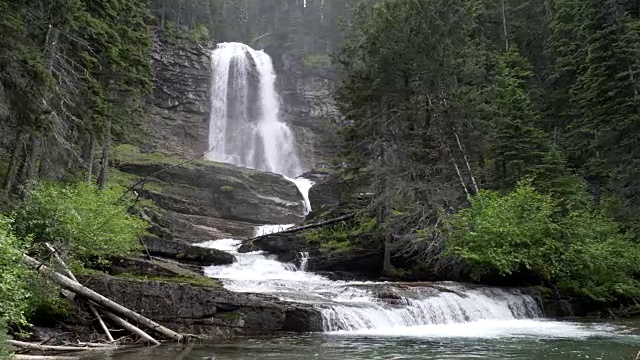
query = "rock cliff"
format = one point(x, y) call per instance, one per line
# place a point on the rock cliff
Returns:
point(206, 310)
point(178, 110)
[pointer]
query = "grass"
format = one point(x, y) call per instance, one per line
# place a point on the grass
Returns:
point(201, 281)
point(132, 154)
point(230, 316)
point(316, 61)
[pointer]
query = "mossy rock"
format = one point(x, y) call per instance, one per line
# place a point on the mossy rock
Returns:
point(230, 316)
point(226, 189)
point(187, 253)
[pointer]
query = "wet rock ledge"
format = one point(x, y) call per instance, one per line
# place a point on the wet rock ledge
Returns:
point(210, 311)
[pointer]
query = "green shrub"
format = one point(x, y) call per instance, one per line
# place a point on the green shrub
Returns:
point(14, 295)
point(85, 223)
point(583, 252)
point(5, 348)
point(316, 61)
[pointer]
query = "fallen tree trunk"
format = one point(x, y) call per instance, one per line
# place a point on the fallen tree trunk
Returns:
point(37, 357)
point(32, 346)
point(72, 277)
point(305, 227)
point(116, 308)
point(128, 326)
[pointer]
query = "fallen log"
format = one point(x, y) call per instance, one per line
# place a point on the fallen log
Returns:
point(33, 346)
point(72, 277)
point(116, 308)
point(38, 357)
point(128, 326)
point(98, 345)
point(305, 227)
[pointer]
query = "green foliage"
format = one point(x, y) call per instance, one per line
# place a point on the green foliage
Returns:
point(582, 252)
point(6, 351)
point(316, 61)
point(201, 281)
point(14, 294)
point(486, 234)
point(342, 236)
point(226, 189)
point(199, 34)
point(517, 147)
point(88, 224)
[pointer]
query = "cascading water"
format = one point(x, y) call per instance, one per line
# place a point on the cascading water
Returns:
point(364, 306)
point(245, 128)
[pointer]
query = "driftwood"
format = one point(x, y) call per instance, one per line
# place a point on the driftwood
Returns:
point(116, 308)
point(32, 346)
point(37, 357)
point(72, 277)
point(128, 326)
point(305, 227)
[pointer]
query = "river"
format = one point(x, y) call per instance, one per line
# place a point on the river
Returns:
point(579, 341)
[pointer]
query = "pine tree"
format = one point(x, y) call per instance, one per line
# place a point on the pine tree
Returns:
point(517, 147)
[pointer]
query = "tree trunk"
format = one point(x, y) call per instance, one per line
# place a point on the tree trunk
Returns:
point(386, 261)
point(38, 357)
point(130, 327)
point(14, 162)
point(455, 165)
point(504, 26)
point(90, 158)
point(104, 168)
point(79, 289)
point(58, 258)
point(164, 13)
point(466, 160)
point(32, 159)
point(31, 346)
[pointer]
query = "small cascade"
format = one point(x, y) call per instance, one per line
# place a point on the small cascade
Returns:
point(362, 306)
point(304, 261)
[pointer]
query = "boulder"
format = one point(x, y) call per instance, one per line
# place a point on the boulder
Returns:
point(152, 268)
point(187, 253)
point(356, 262)
point(196, 228)
point(213, 190)
point(205, 310)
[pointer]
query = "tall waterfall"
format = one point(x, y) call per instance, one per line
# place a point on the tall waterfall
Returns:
point(245, 128)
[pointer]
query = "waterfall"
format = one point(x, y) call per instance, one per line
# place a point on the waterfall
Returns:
point(369, 306)
point(245, 128)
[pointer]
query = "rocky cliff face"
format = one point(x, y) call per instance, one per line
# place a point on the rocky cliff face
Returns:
point(209, 311)
point(178, 113)
point(202, 200)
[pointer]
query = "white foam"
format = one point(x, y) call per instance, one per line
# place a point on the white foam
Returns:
point(491, 329)
point(304, 185)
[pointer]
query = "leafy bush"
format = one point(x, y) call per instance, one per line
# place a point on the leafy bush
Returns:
point(5, 348)
point(316, 61)
point(86, 223)
point(582, 252)
point(14, 296)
